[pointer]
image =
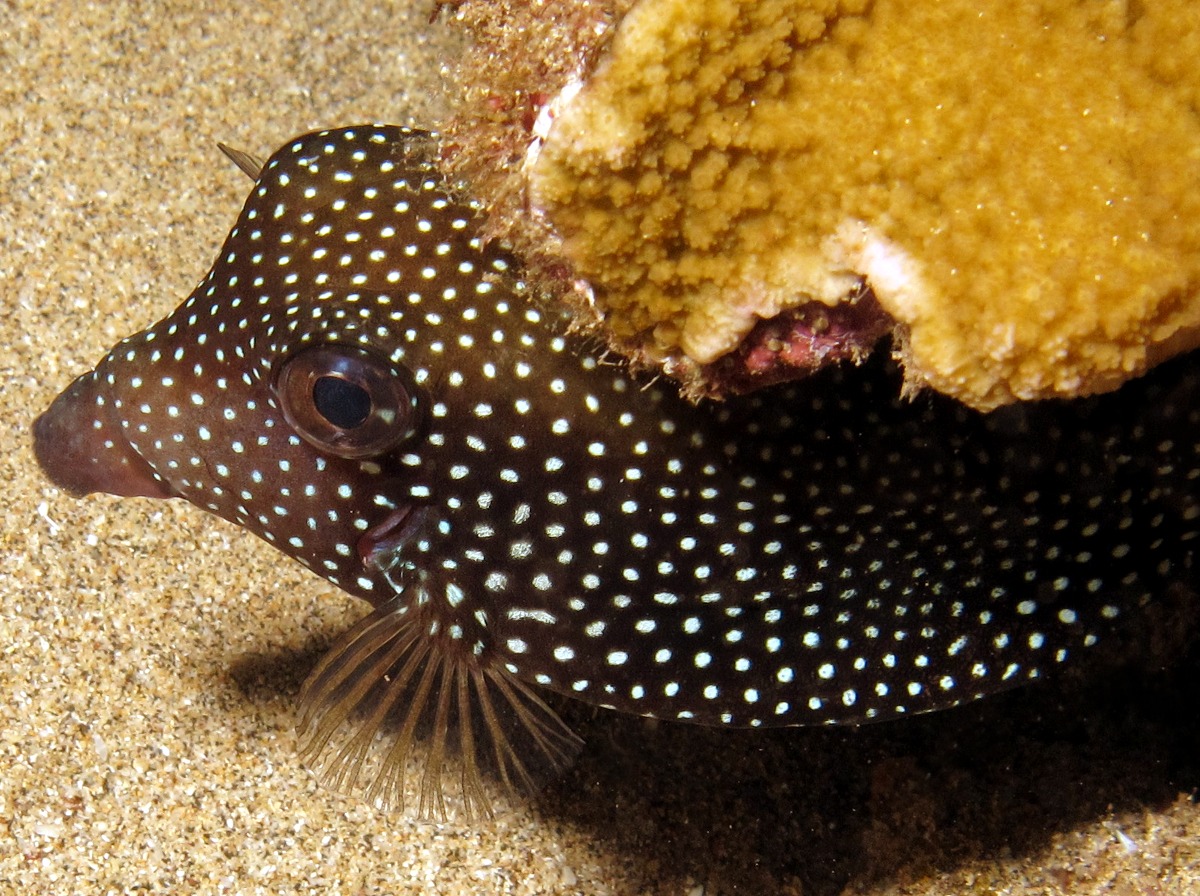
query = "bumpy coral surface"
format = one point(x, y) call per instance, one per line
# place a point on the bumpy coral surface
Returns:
point(1013, 181)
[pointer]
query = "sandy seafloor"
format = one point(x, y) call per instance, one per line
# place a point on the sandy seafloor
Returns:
point(150, 656)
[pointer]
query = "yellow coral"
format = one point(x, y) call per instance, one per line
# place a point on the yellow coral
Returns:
point(1016, 180)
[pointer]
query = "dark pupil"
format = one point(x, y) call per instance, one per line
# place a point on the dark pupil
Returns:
point(342, 403)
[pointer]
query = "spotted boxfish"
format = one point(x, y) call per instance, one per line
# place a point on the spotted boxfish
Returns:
point(363, 381)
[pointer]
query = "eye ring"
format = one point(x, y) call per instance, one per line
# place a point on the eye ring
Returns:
point(348, 400)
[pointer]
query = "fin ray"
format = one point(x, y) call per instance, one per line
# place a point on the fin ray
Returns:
point(249, 164)
point(414, 721)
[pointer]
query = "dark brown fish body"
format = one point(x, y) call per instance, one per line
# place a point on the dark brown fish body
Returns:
point(360, 381)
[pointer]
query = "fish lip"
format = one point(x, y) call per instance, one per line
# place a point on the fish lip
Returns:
point(379, 545)
point(81, 449)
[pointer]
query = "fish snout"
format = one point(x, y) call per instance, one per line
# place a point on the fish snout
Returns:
point(81, 448)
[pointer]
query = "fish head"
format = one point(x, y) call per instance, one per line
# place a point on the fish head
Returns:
point(304, 391)
point(290, 392)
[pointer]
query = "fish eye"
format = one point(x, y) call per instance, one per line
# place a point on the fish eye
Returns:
point(348, 400)
point(341, 402)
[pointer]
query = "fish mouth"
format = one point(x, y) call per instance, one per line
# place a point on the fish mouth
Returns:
point(81, 448)
point(379, 546)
